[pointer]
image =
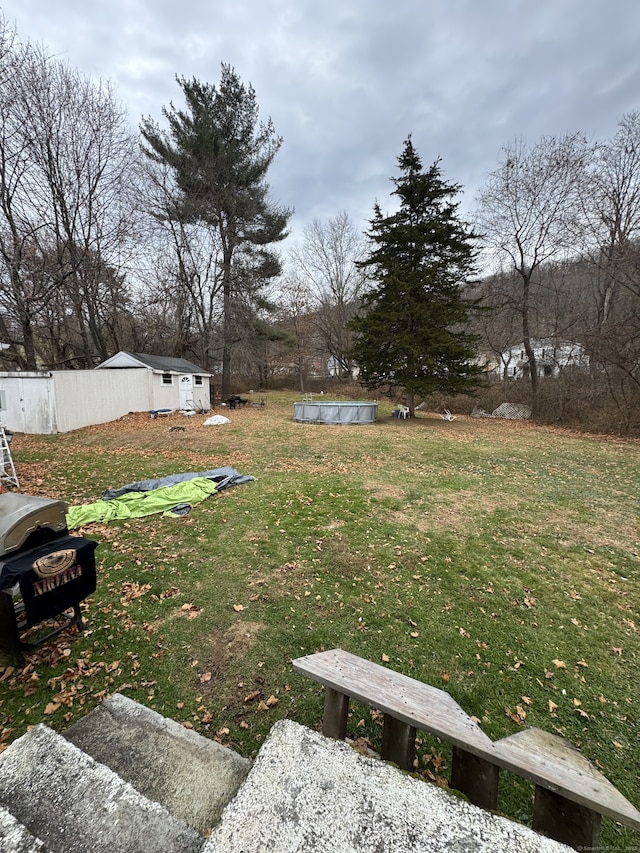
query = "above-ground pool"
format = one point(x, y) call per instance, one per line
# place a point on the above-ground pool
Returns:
point(335, 412)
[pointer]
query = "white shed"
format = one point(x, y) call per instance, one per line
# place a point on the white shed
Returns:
point(46, 402)
point(175, 382)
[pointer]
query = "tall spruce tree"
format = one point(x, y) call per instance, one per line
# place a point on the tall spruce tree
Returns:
point(219, 154)
point(411, 330)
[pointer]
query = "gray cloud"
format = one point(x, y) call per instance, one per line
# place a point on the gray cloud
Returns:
point(345, 82)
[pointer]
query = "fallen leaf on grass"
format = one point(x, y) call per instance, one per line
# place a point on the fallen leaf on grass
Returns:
point(238, 607)
point(271, 701)
point(132, 589)
point(385, 658)
point(552, 707)
point(361, 745)
point(560, 664)
point(170, 593)
point(253, 695)
point(518, 716)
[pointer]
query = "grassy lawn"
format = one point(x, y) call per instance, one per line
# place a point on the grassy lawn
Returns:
point(495, 560)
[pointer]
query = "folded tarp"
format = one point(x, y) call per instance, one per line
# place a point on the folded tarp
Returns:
point(170, 500)
point(222, 477)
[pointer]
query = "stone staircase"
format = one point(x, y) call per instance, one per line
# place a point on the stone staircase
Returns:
point(125, 779)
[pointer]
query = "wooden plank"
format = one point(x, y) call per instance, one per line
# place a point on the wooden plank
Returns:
point(551, 762)
point(404, 698)
point(475, 777)
point(398, 743)
point(567, 822)
point(336, 712)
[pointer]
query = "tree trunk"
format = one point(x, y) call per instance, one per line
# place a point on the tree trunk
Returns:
point(227, 322)
point(526, 334)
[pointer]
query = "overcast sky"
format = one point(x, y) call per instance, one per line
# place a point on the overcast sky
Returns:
point(345, 81)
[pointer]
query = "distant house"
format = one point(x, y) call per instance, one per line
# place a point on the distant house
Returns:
point(552, 357)
point(45, 402)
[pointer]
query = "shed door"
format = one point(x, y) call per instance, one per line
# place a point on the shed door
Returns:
point(186, 392)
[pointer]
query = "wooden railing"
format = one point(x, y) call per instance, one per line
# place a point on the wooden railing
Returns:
point(570, 794)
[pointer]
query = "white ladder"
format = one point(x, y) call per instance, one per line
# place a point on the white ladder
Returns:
point(7, 468)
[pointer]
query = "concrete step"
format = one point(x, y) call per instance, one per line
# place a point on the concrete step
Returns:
point(307, 793)
point(16, 838)
point(191, 776)
point(74, 804)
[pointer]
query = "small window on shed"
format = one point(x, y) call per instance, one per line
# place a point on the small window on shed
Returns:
point(167, 379)
point(198, 380)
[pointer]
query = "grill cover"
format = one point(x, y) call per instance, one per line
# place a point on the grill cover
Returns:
point(52, 577)
point(22, 515)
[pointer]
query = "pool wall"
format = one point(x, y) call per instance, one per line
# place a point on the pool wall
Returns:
point(335, 412)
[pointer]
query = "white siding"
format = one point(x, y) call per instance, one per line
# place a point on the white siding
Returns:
point(63, 400)
point(85, 397)
point(30, 403)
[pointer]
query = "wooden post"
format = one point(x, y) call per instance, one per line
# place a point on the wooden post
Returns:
point(398, 742)
point(475, 777)
point(336, 711)
point(565, 821)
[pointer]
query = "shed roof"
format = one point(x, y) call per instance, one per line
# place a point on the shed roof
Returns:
point(158, 363)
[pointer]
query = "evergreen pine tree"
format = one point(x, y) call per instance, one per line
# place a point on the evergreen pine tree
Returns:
point(411, 330)
point(219, 153)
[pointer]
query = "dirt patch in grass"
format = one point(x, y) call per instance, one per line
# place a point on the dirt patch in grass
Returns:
point(457, 514)
point(384, 491)
point(224, 647)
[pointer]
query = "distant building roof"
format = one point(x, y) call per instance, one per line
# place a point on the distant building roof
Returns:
point(158, 363)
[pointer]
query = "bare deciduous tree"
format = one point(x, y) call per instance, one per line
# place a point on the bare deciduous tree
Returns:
point(527, 214)
point(612, 217)
point(67, 160)
point(326, 262)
